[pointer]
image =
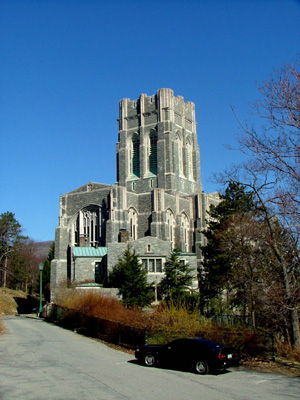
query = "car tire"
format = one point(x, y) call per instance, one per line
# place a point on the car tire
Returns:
point(201, 367)
point(149, 360)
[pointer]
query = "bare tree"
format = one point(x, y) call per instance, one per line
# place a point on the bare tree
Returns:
point(245, 240)
point(281, 239)
point(30, 261)
point(272, 171)
point(274, 148)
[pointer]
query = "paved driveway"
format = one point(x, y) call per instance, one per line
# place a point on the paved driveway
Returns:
point(42, 361)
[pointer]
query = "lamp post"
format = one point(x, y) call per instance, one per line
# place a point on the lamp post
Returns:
point(41, 266)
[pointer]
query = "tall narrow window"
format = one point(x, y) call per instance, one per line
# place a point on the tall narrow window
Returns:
point(151, 265)
point(136, 156)
point(189, 159)
point(158, 265)
point(133, 223)
point(179, 154)
point(171, 227)
point(185, 232)
point(153, 153)
point(144, 264)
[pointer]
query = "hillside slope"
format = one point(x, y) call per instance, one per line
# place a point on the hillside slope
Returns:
point(8, 304)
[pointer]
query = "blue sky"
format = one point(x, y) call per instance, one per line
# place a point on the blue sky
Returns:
point(65, 64)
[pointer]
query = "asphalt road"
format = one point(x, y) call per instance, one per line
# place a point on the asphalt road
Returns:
point(42, 361)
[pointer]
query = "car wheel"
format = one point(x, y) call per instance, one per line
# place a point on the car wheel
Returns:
point(149, 360)
point(201, 367)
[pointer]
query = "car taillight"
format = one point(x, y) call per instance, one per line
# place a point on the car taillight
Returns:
point(221, 356)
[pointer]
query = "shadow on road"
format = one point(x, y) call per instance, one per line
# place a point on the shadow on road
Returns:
point(165, 367)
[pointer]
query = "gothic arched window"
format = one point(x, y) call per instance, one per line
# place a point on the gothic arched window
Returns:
point(185, 231)
point(133, 223)
point(135, 155)
point(88, 227)
point(189, 159)
point(153, 153)
point(171, 227)
point(179, 154)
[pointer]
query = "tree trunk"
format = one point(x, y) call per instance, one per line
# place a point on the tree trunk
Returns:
point(295, 327)
point(294, 319)
point(4, 272)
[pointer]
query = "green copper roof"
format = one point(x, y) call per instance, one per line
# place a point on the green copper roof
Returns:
point(89, 285)
point(89, 251)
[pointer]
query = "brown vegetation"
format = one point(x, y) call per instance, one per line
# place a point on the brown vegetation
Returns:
point(165, 323)
point(102, 306)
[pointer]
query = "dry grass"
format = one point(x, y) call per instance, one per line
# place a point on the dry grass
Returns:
point(8, 305)
point(287, 351)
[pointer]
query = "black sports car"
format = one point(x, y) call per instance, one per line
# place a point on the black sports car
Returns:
point(199, 355)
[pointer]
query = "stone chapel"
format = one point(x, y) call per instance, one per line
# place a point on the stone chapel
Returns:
point(156, 205)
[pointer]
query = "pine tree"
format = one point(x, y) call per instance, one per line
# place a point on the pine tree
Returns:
point(131, 280)
point(176, 283)
point(217, 265)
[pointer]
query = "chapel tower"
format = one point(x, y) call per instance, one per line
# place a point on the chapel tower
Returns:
point(157, 145)
point(156, 205)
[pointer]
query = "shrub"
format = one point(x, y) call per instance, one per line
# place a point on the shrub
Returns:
point(171, 321)
point(100, 305)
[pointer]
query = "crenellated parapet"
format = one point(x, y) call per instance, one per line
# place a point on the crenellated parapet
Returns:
point(158, 144)
point(163, 106)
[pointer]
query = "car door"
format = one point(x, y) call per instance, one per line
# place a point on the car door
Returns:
point(175, 353)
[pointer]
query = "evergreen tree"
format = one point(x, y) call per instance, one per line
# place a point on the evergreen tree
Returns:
point(217, 265)
point(176, 283)
point(131, 280)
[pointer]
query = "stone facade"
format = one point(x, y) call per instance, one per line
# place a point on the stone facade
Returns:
point(156, 205)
